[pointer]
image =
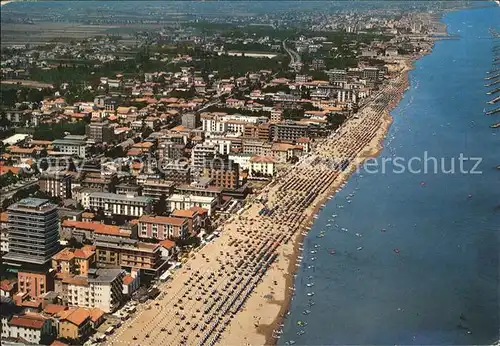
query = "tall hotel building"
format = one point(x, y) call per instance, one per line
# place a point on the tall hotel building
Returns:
point(33, 232)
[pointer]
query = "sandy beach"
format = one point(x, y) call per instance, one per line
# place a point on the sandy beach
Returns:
point(236, 290)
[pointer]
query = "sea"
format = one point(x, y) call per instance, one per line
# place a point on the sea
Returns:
point(410, 256)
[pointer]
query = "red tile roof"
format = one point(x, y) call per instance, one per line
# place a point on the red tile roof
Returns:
point(76, 316)
point(95, 314)
point(167, 244)
point(184, 213)
point(58, 343)
point(27, 321)
point(97, 227)
point(6, 169)
point(128, 279)
point(53, 309)
point(199, 210)
point(166, 220)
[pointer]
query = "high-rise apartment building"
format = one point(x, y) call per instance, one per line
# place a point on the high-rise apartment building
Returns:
point(33, 231)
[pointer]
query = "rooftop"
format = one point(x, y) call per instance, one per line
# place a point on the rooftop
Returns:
point(28, 321)
point(32, 204)
point(114, 196)
point(76, 316)
point(166, 220)
point(184, 213)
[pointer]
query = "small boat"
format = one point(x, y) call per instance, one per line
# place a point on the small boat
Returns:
point(310, 284)
point(383, 230)
point(310, 294)
point(306, 312)
point(469, 196)
point(309, 277)
point(301, 323)
point(313, 258)
point(358, 235)
point(316, 246)
point(359, 248)
point(396, 250)
point(320, 235)
point(313, 251)
point(301, 332)
point(332, 252)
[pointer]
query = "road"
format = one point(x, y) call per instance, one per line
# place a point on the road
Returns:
point(10, 193)
point(294, 56)
point(217, 99)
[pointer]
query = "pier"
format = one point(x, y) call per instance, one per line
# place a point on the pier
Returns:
point(495, 100)
point(493, 111)
point(494, 91)
point(495, 76)
point(492, 83)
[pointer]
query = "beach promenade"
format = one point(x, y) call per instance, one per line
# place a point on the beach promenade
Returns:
point(236, 289)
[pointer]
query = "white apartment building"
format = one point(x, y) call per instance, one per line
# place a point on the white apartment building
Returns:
point(202, 153)
point(114, 204)
point(262, 165)
point(177, 201)
point(243, 160)
point(212, 124)
point(30, 327)
point(244, 118)
point(223, 146)
point(71, 145)
point(217, 124)
point(103, 289)
point(236, 126)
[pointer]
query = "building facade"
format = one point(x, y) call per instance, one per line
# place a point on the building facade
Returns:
point(72, 145)
point(33, 231)
point(56, 184)
point(114, 204)
point(163, 227)
point(100, 132)
point(102, 289)
point(224, 172)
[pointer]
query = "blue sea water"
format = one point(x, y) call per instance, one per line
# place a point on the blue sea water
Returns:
point(442, 288)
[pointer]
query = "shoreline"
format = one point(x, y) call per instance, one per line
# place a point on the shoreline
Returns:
point(358, 139)
point(372, 149)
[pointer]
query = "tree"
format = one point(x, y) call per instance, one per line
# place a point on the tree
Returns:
point(75, 244)
point(335, 120)
point(44, 164)
point(114, 152)
point(4, 122)
point(160, 206)
point(146, 132)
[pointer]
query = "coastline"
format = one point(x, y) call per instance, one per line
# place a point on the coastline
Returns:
point(372, 149)
point(268, 315)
